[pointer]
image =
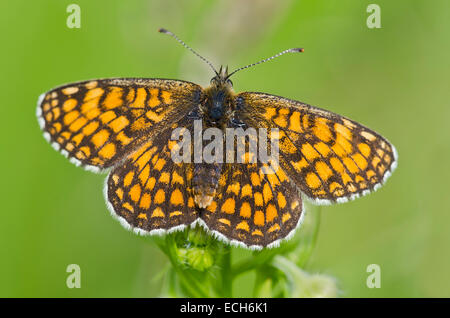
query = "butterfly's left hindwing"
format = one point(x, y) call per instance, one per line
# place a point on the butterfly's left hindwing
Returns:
point(329, 157)
point(98, 123)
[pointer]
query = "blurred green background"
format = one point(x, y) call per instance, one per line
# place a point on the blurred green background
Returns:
point(394, 80)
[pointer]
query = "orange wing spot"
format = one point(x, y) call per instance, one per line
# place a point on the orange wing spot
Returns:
point(281, 175)
point(128, 206)
point(255, 179)
point(286, 216)
point(108, 116)
point(270, 112)
point(294, 122)
point(114, 98)
point(321, 129)
point(160, 164)
point(274, 228)
point(176, 178)
point(69, 104)
point(77, 139)
point(167, 97)
point(47, 106)
point(119, 193)
point(344, 143)
point(153, 101)
point(164, 178)
point(48, 117)
point(222, 180)
point(351, 187)
point(212, 207)
point(144, 158)
point(70, 117)
point(337, 165)
point(154, 116)
point(380, 153)
point(299, 165)
point(271, 213)
point(246, 210)
point(381, 169)
point(287, 146)
point(69, 90)
point(350, 164)
point(344, 131)
point(128, 178)
point(66, 134)
point(246, 191)
point(318, 193)
point(258, 199)
point(267, 193)
point(323, 170)
point(176, 197)
point(108, 151)
point(91, 84)
point(322, 148)
point(135, 192)
point(235, 187)
point(144, 174)
point(90, 128)
point(368, 136)
point(140, 98)
point(81, 156)
point(119, 124)
point(94, 93)
point(100, 138)
point(115, 178)
point(375, 161)
point(360, 161)
point(69, 146)
point(77, 124)
point(309, 152)
point(54, 102)
point(280, 120)
point(130, 95)
point(346, 178)
point(123, 138)
point(273, 180)
point(281, 200)
point(225, 221)
point(90, 109)
point(86, 150)
point(257, 232)
point(364, 149)
point(56, 112)
point(313, 180)
point(54, 94)
point(305, 121)
point(228, 206)
point(370, 174)
point(157, 213)
point(142, 216)
point(243, 226)
point(160, 196)
point(258, 218)
point(175, 213)
point(334, 186)
point(151, 183)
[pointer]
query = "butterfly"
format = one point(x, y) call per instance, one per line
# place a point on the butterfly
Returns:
point(125, 126)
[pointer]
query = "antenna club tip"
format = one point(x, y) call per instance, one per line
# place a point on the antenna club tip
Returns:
point(162, 30)
point(300, 50)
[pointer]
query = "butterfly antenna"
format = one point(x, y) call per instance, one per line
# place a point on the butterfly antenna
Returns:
point(161, 30)
point(294, 50)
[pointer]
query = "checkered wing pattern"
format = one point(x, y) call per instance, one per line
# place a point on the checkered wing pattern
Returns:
point(330, 158)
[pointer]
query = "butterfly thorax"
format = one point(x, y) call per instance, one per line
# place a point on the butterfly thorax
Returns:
point(217, 110)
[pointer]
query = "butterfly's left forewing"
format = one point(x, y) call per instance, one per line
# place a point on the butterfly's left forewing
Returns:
point(97, 123)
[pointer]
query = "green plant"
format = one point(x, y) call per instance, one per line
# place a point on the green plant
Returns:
point(202, 266)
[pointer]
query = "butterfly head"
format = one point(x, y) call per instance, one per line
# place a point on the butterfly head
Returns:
point(222, 79)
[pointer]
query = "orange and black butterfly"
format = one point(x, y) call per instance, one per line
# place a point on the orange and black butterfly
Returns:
point(125, 125)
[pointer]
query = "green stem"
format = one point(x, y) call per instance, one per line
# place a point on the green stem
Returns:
point(227, 277)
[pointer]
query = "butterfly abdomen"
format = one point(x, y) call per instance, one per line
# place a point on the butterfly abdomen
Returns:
point(204, 183)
